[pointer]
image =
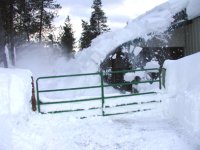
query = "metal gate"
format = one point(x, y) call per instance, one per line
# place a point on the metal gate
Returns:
point(103, 98)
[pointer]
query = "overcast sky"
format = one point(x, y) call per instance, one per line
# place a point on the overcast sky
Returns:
point(118, 12)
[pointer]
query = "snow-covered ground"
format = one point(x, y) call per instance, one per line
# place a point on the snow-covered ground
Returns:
point(132, 132)
point(174, 125)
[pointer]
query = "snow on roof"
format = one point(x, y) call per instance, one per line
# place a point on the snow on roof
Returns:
point(154, 21)
point(193, 9)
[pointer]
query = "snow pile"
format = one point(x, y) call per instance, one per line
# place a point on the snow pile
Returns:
point(15, 91)
point(182, 87)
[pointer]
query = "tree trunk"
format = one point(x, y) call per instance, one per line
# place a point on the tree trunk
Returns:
point(12, 33)
point(41, 20)
point(26, 23)
point(2, 43)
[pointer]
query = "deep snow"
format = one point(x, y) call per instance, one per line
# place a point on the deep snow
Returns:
point(175, 125)
point(15, 91)
point(130, 132)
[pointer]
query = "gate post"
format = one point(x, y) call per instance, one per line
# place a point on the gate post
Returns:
point(38, 98)
point(102, 94)
point(33, 100)
point(163, 76)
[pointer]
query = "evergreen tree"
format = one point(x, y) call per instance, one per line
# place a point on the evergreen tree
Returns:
point(44, 14)
point(26, 18)
point(67, 39)
point(96, 27)
point(85, 39)
point(98, 20)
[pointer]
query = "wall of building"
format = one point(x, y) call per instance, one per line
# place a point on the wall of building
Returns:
point(177, 38)
point(192, 37)
point(186, 36)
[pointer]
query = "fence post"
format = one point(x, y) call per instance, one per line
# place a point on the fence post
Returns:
point(102, 93)
point(160, 84)
point(38, 98)
point(33, 100)
point(163, 76)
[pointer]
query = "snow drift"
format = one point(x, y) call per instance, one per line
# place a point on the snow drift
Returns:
point(182, 85)
point(182, 88)
point(15, 91)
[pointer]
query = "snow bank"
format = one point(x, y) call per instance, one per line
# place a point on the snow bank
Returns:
point(183, 105)
point(15, 91)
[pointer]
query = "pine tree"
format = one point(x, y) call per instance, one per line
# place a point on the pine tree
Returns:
point(98, 20)
point(96, 27)
point(32, 17)
point(45, 13)
point(85, 39)
point(67, 39)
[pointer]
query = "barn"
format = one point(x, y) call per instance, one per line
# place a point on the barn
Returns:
point(181, 39)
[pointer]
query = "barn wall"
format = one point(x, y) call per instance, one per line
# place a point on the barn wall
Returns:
point(192, 39)
point(187, 36)
point(177, 38)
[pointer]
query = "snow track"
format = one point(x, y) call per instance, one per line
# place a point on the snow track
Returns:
point(132, 132)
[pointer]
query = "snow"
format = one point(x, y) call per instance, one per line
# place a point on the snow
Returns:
point(131, 76)
point(178, 5)
point(156, 21)
point(183, 93)
point(191, 6)
point(145, 130)
point(171, 125)
point(137, 50)
point(102, 47)
point(152, 64)
point(126, 132)
point(15, 91)
point(193, 10)
point(42, 61)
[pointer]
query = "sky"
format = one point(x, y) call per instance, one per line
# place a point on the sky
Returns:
point(118, 12)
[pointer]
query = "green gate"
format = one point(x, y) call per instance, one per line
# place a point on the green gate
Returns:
point(102, 85)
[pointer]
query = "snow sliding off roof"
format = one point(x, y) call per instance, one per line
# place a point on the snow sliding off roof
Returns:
point(156, 21)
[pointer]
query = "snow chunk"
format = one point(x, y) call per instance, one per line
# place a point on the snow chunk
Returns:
point(15, 91)
point(131, 75)
point(152, 64)
point(137, 50)
point(114, 56)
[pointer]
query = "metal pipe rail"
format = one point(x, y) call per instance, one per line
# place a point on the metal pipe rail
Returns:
point(101, 87)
